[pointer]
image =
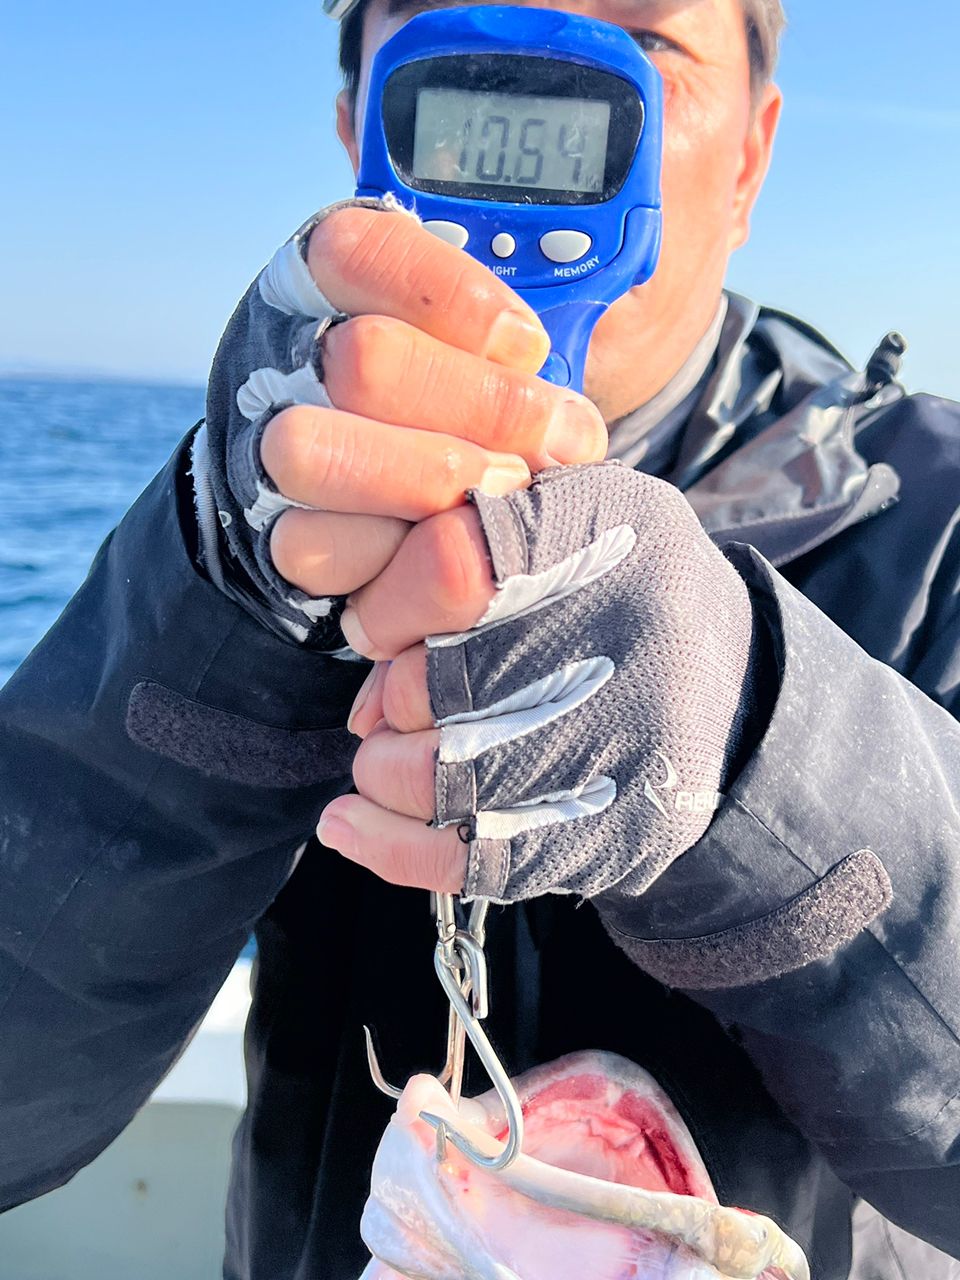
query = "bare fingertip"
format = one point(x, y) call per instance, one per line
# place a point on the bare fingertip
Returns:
point(335, 833)
point(356, 722)
point(356, 637)
point(505, 474)
point(576, 433)
point(518, 340)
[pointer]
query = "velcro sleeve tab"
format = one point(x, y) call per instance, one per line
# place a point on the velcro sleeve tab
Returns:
point(221, 744)
point(809, 927)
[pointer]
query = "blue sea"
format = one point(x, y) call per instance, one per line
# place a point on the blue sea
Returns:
point(73, 457)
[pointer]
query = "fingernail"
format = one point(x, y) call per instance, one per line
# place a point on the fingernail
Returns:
point(363, 693)
point(505, 474)
point(573, 433)
point(356, 637)
point(335, 833)
point(517, 340)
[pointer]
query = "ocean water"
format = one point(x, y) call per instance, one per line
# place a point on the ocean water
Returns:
point(73, 457)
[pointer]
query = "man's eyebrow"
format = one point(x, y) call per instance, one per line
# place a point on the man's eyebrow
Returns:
point(633, 11)
point(421, 6)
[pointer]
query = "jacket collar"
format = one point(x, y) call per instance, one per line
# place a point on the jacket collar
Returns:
point(768, 454)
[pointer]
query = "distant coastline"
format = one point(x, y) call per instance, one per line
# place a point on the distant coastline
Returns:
point(94, 377)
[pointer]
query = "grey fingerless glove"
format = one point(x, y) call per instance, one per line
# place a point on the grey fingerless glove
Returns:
point(587, 720)
point(268, 358)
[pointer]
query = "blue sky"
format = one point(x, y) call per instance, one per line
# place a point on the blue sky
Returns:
point(153, 156)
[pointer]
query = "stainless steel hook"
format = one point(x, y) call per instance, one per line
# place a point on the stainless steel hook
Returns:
point(461, 966)
point(452, 1068)
point(469, 1017)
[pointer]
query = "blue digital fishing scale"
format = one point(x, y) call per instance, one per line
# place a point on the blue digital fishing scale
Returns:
point(533, 139)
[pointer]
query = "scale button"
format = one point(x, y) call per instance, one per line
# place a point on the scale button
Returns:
point(503, 244)
point(452, 232)
point(565, 246)
point(556, 370)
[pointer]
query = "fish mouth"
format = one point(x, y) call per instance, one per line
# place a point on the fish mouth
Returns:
point(601, 1116)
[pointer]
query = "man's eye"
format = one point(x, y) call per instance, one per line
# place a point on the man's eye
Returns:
point(653, 42)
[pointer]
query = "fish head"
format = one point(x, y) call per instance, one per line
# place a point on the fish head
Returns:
point(609, 1184)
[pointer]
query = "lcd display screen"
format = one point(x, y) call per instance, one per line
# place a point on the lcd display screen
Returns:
point(510, 140)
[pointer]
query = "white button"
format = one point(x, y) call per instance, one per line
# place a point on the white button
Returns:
point(565, 246)
point(452, 232)
point(503, 244)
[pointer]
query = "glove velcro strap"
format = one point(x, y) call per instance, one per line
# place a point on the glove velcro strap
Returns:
point(456, 792)
point(488, 869)
point(448, 681)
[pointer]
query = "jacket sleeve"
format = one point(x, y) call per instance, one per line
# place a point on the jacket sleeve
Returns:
point(819, 917)
point(162, 758)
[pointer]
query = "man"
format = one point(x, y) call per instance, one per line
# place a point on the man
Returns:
point(188, 725)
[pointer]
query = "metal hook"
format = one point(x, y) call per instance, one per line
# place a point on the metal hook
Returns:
point(477, 924)
point(442, 905)
point(461, 966)
point(376, 1073)
point(452, 1067)
point(462, 953)
point(495, 1069)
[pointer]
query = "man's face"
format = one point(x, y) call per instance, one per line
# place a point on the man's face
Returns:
point(717, 145)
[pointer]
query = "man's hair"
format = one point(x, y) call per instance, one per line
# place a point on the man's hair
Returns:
point(765, 21)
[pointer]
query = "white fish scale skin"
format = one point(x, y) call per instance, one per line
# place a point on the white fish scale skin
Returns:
point(481, 1226)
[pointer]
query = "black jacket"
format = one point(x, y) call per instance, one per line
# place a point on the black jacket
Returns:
point(163, 757)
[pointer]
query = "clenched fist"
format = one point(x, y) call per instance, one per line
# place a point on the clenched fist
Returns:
point(371, 375)
point(582, 695)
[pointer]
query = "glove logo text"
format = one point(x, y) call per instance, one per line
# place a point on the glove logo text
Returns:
point(666, 797)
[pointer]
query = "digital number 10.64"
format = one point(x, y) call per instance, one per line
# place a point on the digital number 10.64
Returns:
point(511, 150)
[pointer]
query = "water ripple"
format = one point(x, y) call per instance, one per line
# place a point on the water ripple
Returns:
point(73, 456)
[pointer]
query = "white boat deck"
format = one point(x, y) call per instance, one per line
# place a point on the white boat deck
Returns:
point(151, 1207)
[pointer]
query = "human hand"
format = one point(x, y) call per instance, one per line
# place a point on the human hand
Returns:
point(336, 437)
point(568, 721)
